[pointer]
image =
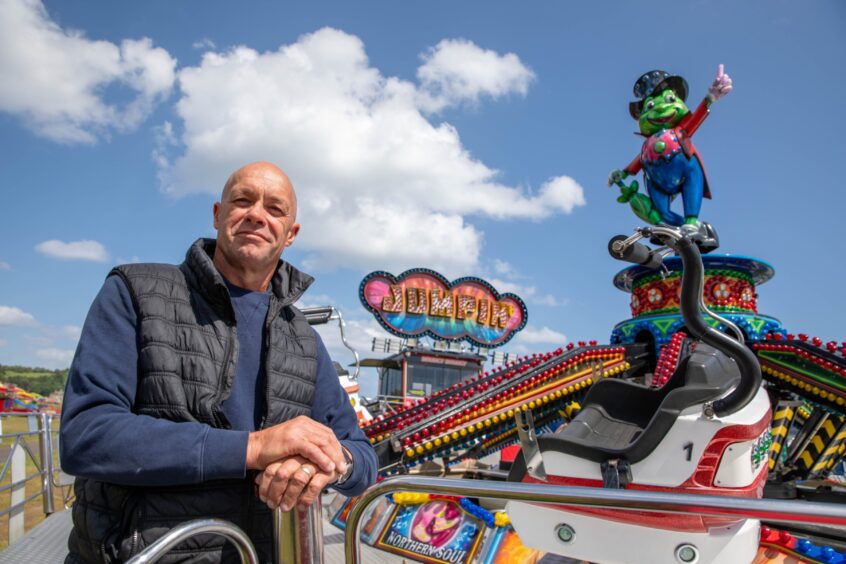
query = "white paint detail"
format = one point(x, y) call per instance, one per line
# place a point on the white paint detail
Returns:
point(736, 469)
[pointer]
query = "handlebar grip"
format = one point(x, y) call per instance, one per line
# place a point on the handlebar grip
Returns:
point(636, 253)
point(317, 315)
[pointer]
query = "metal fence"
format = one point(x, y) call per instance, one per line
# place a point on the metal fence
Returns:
point(36, 445)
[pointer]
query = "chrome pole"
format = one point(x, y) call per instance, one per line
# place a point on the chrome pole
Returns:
point(298, 535)
point(45, 444)
point(198, 527)
point(719, 506)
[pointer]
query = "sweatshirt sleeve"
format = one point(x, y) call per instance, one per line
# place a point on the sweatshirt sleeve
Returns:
point(332, 408)
point(102, 438)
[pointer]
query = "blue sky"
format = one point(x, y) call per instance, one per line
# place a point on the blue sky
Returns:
point(473, 138)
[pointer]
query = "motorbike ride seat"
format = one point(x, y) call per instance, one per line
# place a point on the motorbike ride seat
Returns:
point(622, 420)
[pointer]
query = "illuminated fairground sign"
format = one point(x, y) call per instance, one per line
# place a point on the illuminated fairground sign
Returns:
point(422, 302)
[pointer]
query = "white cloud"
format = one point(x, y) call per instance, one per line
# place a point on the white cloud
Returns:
point(204, 44)
point(74, 250)
point(531, 340)
point(561, 193)
point(54, 79)
point(316, 300)
point(529, 294)
point(14, 316)
point(544, 335)
point(392, 239)
point(56, 358)
point(504, 268)
point(5, 265)
point(39, 340)
point(71, 332)
point(457, 70)
point(548, 300)
point(379, 185)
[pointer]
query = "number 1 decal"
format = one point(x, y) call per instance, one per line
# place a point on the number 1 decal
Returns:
point(688, 447)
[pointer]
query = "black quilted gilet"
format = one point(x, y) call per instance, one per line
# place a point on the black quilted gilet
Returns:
point(188, 350)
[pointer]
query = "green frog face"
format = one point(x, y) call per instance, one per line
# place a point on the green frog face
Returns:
point(661, 112)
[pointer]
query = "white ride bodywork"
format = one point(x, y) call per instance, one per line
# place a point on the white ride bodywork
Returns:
point(676, 465)
point(609, 542)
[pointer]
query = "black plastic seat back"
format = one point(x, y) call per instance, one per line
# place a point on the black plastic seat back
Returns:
point(628, 421)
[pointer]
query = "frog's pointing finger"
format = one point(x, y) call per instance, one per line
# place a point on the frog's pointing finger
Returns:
point(722, 85)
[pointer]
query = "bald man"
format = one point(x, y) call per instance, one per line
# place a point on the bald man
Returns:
point(199, 390)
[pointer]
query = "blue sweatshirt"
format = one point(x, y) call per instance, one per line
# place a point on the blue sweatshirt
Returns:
point(101, 438)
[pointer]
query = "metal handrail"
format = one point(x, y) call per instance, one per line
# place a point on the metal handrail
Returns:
point(41, 425)
point(198, 527)
point(717, 506)
point(298, 535)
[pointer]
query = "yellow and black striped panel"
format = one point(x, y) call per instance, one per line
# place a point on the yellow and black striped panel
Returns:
point(832, 454)
point(782, 419)
point(818, 444)
point(841, 452)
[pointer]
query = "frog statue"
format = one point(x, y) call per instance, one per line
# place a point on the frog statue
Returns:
point(670, 163)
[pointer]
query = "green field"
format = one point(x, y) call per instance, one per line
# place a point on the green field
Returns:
point(33, 373)
point(36, 380)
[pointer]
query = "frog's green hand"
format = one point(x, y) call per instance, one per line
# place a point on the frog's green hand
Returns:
point(617, 176)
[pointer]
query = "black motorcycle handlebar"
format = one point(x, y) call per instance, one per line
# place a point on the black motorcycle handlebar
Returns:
point(636, 253)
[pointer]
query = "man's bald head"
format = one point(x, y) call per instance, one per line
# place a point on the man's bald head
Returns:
point(266, 170)
point(255, 220)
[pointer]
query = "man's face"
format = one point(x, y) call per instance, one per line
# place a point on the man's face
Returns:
point(255, 219)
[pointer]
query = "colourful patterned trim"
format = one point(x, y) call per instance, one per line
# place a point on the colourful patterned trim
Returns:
point(662, 327)
point(725, 291)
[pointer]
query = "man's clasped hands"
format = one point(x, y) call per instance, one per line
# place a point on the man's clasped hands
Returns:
point(296, 460)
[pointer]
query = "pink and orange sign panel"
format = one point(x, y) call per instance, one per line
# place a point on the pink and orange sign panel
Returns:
point(438, 532)
point(421, 302)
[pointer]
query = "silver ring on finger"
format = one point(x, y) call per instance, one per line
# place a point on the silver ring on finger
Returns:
point(306, 470)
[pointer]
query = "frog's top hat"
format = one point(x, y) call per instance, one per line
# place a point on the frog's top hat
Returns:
point(653, 83)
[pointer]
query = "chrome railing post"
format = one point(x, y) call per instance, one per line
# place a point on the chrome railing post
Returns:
point(242, 542)
point(298, 535)
point(45, 444)
point(17, 461)
point(718, 506)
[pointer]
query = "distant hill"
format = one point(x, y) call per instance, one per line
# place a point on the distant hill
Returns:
point(37, 380)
